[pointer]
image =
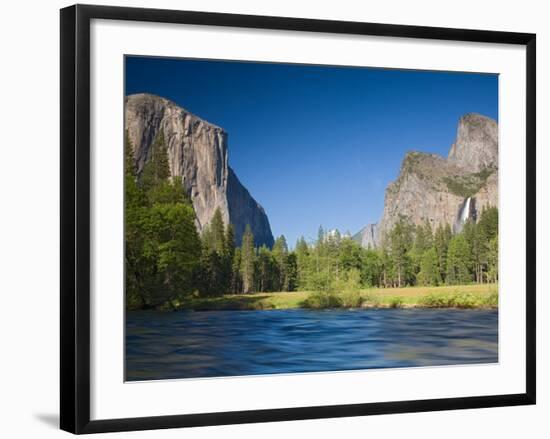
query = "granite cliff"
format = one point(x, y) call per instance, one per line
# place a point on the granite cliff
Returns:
point(476, 146)
point(197, 151)
point(443, 190)
point(367, 236)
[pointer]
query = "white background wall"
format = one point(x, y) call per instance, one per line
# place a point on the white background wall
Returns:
point(29, 249)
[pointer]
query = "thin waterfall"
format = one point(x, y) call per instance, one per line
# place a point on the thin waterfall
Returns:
point(464, 214)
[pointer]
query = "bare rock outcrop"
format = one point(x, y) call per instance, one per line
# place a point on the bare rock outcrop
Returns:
point(476, 146)
point(367, 237)
point(488, 194)
point(197, 151)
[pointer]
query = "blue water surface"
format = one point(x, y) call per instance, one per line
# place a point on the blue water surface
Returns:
point(187, 344)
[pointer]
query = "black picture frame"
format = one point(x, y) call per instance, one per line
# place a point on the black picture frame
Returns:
point(75, 217)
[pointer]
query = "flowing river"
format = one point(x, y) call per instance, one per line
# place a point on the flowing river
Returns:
point(169, 345)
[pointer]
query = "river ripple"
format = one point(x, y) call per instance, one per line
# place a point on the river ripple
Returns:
point(168, 345)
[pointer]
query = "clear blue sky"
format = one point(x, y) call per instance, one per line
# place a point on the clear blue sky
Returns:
point(318, 144)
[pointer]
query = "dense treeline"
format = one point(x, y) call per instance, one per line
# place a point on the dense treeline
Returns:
point(417, 255)
point(166, 259)
point(410, 255)
point(162, 246)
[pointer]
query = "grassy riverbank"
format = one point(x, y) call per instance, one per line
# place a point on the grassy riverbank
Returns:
point(461, 296)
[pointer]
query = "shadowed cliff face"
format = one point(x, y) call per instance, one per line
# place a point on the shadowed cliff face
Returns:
point(434, 189)
point(197, 151)
point(243, 210)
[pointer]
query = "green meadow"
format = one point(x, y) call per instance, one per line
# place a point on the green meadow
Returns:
point(456, 296)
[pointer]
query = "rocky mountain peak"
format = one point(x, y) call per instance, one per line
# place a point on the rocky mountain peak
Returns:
point(435, 189)
point(476, 146)
point(197, 152)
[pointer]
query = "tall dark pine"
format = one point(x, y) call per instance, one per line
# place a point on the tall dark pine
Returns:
point(443, 235)
point(217, 233)
point(280, 253)
point(230, 241)
point(247, 260)
point(216, 261)
point(157, 168)
point(303, 262)
point(400, 242)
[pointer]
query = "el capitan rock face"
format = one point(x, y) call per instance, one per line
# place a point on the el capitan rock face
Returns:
point(243, 210)
point(197, 151)
point(435, 189)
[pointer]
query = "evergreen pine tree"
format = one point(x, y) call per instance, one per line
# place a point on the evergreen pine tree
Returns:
point(477, 243)
point(291, 272)
point(492, 259)
point(157, 169)
point(429, 269)
point(371, 267)
point(266, 274)
point(423, 240)
point(488, 222)
point(442, 237)
point(458, 259)
point(320, 235)
point(229, 241)
point(217, 256)
point(217, 233)
point(280, 253)
point(236, 276)
point(303, 262)
point(400, 243)
point(247, 260)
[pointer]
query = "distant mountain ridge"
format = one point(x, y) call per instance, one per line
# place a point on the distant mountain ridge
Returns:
point(437, 189)
point(367, 236)
point(197, 151)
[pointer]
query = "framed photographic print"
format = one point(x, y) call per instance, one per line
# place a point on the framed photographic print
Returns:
point(268, 218)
